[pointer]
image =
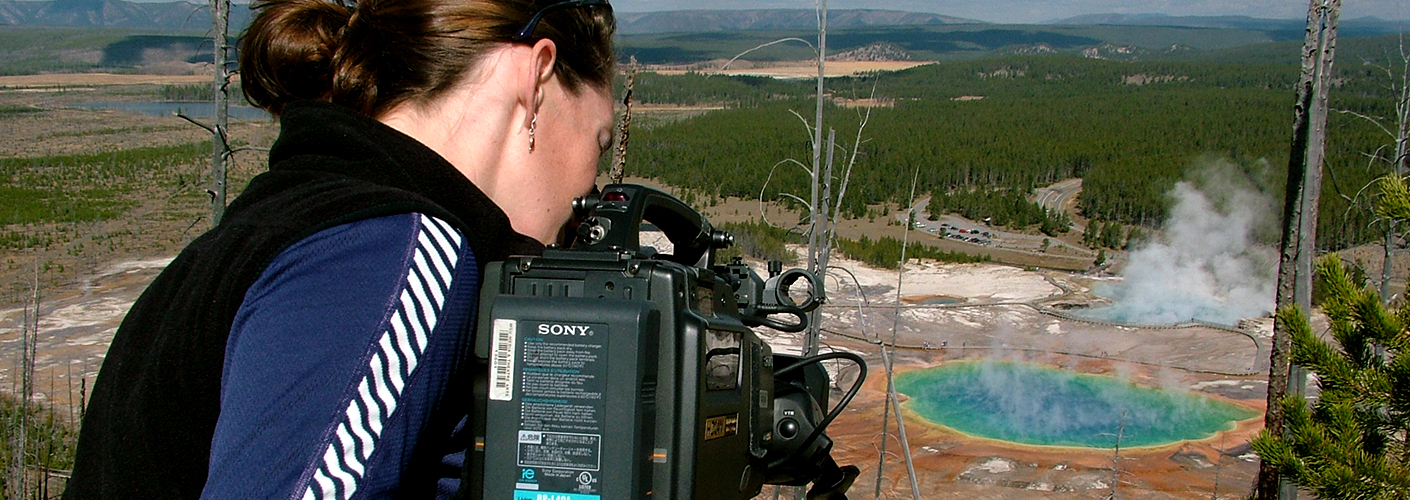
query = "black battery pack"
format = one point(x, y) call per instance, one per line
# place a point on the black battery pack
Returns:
point(611, 371)
point(562, 372)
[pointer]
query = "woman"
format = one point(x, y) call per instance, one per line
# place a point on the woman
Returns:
point(311, 345)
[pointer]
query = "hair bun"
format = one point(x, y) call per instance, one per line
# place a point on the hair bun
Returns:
point(384, 53)
point(287, 51)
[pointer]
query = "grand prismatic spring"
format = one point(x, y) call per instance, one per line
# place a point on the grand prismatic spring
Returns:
point(1037, 405)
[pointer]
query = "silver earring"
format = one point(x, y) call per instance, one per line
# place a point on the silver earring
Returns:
point(533, 124)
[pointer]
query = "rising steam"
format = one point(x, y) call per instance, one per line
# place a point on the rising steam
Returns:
point(1207, 264)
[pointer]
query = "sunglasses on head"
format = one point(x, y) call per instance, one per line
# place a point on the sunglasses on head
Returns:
point(527, 32)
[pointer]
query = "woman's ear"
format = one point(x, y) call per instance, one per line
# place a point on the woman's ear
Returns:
point(542, 59)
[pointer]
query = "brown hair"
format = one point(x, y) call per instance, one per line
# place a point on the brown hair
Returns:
point(378, 54)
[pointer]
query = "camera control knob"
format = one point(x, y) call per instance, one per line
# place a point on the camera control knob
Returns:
point(788, 428)
point(594, 229)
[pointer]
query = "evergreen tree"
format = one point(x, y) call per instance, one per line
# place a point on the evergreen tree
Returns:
point(1133, 238)
point(1089, 234)
point(1352, 442)
point(1111, 235)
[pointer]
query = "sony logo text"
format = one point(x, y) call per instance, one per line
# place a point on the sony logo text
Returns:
point(574, 330)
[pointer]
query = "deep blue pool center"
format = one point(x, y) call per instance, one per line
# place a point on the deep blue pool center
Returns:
point(1037, 405)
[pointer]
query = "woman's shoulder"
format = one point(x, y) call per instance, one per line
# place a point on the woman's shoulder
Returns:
point(388, 241)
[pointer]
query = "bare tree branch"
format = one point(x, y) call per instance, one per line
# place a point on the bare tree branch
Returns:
point(852, 162)
point(775, 42)
point(861, 301)
point(1374, 120)
point(806, 126)
point(764, 214)
point(193, 121)
point(799, 200)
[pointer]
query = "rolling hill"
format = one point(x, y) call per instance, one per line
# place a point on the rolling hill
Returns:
point(87, 35)
point(1287, 28)
point(694, 21)
point(181, 15)
point(115, 14)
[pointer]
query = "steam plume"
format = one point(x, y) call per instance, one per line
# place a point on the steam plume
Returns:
point(1207, 264)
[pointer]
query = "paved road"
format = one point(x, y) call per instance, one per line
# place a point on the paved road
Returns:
point(1056, 196)
point(996, 238)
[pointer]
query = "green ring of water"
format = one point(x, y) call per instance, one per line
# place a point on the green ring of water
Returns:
point(1037, 405)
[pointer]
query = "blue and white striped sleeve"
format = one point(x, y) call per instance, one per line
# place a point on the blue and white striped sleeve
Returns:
point(337, 370)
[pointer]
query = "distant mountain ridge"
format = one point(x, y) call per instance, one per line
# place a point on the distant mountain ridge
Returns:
point(1363, 25)
point(179, 15)
point(694, 21)
point(184, 15)
point(116, 14)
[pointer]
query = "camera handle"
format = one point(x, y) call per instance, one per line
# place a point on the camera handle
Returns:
point(612, 221)
point(759, 299)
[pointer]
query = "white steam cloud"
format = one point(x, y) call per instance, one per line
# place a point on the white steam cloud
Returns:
point(1206, 265)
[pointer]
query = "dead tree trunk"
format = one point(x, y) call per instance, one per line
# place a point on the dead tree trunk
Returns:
point(1401, 163)
point(16, 481)
point(829, 219)
point(1116, 457)
point(810, 344)
point(1387, 244)
point(220, 145)
point(29, 332)
point(1299, 238)
point(624, 129)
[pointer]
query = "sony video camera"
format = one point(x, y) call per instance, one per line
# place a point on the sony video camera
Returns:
point(613, 372)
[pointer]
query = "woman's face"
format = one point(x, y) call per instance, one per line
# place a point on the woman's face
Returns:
point(573, 132)
point(481, 127)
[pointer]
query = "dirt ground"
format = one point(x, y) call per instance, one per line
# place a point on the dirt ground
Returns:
point(998, 313)
point(96, 79)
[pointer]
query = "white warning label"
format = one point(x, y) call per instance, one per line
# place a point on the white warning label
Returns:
point(561, 450)
point(502, 360)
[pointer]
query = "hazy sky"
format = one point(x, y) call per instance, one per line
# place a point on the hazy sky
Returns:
point(1032, 11)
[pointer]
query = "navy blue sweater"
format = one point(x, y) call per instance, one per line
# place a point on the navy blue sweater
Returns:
point(337, 358)
point(274, 356)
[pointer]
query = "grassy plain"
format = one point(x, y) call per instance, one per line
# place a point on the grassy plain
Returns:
point(792, 69)
point(935, 43)
point(84, 188)
point(86, 194)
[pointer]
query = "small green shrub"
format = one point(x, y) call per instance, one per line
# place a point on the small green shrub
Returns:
point(886, 252)
point(760, 241)
point(13, 109)
point(49, 440)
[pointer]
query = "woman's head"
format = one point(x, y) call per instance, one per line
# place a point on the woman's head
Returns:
point(515, 94)
point(379, 54)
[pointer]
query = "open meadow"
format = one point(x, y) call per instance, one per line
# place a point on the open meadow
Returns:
point(88, 187)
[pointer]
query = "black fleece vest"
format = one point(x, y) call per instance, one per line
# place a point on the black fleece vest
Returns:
point(148, 427)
